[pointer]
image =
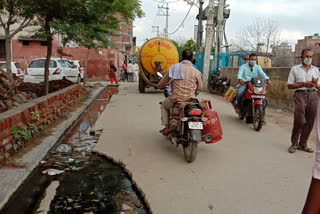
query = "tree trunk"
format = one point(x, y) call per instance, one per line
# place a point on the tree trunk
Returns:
point(86, 68)
point(8, 43)
point(49, 53)
point(47, 64)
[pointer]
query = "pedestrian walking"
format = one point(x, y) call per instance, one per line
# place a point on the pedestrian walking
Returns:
point(135, 71)
point(303, 79)
point(312, 205)
point(124, 73)
point(112, 73)
point(130, 72)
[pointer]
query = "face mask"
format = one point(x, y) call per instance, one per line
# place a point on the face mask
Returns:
point(252, 62)
point(307, 61)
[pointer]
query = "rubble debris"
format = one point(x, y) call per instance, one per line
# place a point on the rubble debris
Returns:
point(19, 92)
point(64, 148)
point(38, 88)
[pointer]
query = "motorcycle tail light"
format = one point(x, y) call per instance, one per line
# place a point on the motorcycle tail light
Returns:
point(196, 112)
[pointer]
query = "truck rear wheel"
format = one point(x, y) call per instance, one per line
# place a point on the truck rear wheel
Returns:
point(142, 85)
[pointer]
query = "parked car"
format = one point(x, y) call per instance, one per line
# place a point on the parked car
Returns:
point(58, 69)
point(79, 67)
point(16, 68)
point(75, 68)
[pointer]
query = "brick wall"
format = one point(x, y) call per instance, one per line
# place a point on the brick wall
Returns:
point(312, 43)
point(98, 63)
point(50, 108)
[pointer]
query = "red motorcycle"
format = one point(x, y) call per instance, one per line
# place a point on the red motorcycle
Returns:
point(254, 102)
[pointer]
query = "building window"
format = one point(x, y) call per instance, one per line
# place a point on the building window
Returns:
point(25, 43)
point(44, 43)
point(2, 49)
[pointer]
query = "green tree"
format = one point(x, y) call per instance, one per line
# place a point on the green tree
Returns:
point(15, 15)
point(190, 45)
point(101, 22)
point(53, 15)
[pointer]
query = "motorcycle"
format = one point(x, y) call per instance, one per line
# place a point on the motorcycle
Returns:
point(123, 76)
point(218, 85)
point(186, 127)
point(253, 103)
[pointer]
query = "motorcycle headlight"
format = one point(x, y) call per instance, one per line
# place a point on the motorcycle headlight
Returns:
point(258, 90)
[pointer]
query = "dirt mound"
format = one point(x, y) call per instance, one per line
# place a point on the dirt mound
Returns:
point(13, 95)
point(38, 88)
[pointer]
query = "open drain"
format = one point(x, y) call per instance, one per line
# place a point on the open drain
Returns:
point(72, 179)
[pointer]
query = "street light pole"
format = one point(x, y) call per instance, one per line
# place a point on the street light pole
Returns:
point(200, 28)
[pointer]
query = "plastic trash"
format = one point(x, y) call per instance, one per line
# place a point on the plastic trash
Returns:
point(53, 172)
point(83, 149)
point(64, 148)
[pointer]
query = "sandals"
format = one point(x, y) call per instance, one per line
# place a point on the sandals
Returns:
point(165, 131)
point(306, 149)
point(292, 149)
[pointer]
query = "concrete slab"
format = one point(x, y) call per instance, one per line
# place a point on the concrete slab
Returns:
point(247, 172)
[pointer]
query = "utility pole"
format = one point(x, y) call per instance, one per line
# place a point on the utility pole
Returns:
point(208, 44)
point(219, 33)
point(200, 28)
point(156, 29)
point(167, 19)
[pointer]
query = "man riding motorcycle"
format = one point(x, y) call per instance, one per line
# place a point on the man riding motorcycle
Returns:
point(245, 74)
point(184, 82)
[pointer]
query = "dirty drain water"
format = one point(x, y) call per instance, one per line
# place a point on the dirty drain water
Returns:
point(71, 179)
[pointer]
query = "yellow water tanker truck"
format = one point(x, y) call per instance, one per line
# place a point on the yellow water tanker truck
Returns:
point(156, 56)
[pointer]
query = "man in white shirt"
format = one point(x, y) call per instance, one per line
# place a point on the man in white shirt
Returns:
point(303, 79)
point(130, 71)
point(135, 71)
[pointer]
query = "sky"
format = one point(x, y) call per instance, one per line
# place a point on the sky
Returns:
point(295, 18)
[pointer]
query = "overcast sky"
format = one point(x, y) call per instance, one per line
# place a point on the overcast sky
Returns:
point(296, 18)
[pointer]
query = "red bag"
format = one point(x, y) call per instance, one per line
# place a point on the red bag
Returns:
point(212, 125)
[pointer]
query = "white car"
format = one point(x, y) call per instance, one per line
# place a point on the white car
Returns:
point(16, 68)
point(58, 69)
point(79, 67)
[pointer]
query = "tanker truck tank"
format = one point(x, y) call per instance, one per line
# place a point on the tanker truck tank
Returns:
point(156, 55)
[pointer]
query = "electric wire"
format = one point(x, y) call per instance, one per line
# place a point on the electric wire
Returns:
point(183, 19)
point(169, 2)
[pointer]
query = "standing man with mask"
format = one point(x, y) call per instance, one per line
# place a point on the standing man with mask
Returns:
point(303, 79)
point(246, 73)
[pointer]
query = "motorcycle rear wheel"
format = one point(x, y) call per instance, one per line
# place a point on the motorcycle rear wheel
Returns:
point(257, 118)
point(190, 151)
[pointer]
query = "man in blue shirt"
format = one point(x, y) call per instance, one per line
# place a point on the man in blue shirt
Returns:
point(246, 73)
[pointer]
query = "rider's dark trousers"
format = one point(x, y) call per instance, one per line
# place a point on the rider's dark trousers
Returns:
point(304, 117)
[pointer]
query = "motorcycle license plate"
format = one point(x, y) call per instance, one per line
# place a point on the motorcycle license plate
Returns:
point(195, 125)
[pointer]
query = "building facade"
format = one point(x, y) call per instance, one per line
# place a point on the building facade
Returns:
point(25, 48)
point(311, 42)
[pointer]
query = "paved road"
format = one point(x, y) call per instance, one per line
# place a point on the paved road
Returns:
point(245, 173)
